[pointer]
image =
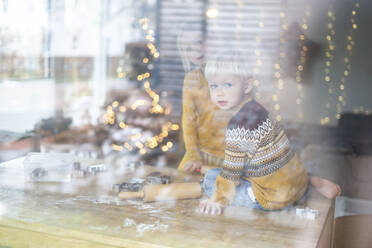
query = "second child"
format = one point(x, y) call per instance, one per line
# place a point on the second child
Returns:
point(260, 169)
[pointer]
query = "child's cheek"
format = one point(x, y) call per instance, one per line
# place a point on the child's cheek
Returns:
point(213, 98)
point(211, 95)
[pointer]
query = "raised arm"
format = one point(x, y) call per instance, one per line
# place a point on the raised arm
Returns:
point(241, 145)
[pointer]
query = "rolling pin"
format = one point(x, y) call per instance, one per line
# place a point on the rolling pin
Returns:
point(164, 192)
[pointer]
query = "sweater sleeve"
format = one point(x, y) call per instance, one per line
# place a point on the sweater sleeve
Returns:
point(240, 148)
point(189, 120)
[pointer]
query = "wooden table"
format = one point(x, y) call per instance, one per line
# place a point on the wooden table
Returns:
point(85, 213)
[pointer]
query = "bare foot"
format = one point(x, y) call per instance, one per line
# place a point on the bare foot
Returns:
point(325, 187)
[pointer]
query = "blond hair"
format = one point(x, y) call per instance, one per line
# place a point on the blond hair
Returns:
point(183, 42)
point(230, 61)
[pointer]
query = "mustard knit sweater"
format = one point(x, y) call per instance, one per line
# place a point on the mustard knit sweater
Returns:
point(203, 124)
point(258, 150)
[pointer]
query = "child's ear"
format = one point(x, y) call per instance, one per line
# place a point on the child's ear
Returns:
point(248, 86)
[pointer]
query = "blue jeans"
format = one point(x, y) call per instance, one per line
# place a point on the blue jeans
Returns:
point(241, 198)
point(241, 193)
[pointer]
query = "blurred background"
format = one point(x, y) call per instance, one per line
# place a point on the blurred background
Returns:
point(103, 78)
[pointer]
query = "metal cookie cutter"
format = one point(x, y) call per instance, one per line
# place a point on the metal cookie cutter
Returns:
point(78, 171)
point(156, 178)
point(39, 173)
point(134, 185)
point(131, 187)
point(95, 169)
point(307, 213)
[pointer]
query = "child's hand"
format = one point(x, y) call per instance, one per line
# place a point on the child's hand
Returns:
point(210, 207)
point(192, 165)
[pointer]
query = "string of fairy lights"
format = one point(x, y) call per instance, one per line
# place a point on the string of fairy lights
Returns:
point(347, 62)
point(301, 63)
point(337, 86)
point(329, 54)
point(279, 64)
point(110, 118)
point(349, 45)
point(257, 53)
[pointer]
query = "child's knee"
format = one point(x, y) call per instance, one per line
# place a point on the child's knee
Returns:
point(209, 181)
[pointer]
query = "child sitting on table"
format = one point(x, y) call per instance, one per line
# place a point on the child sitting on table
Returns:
point(260, 168)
